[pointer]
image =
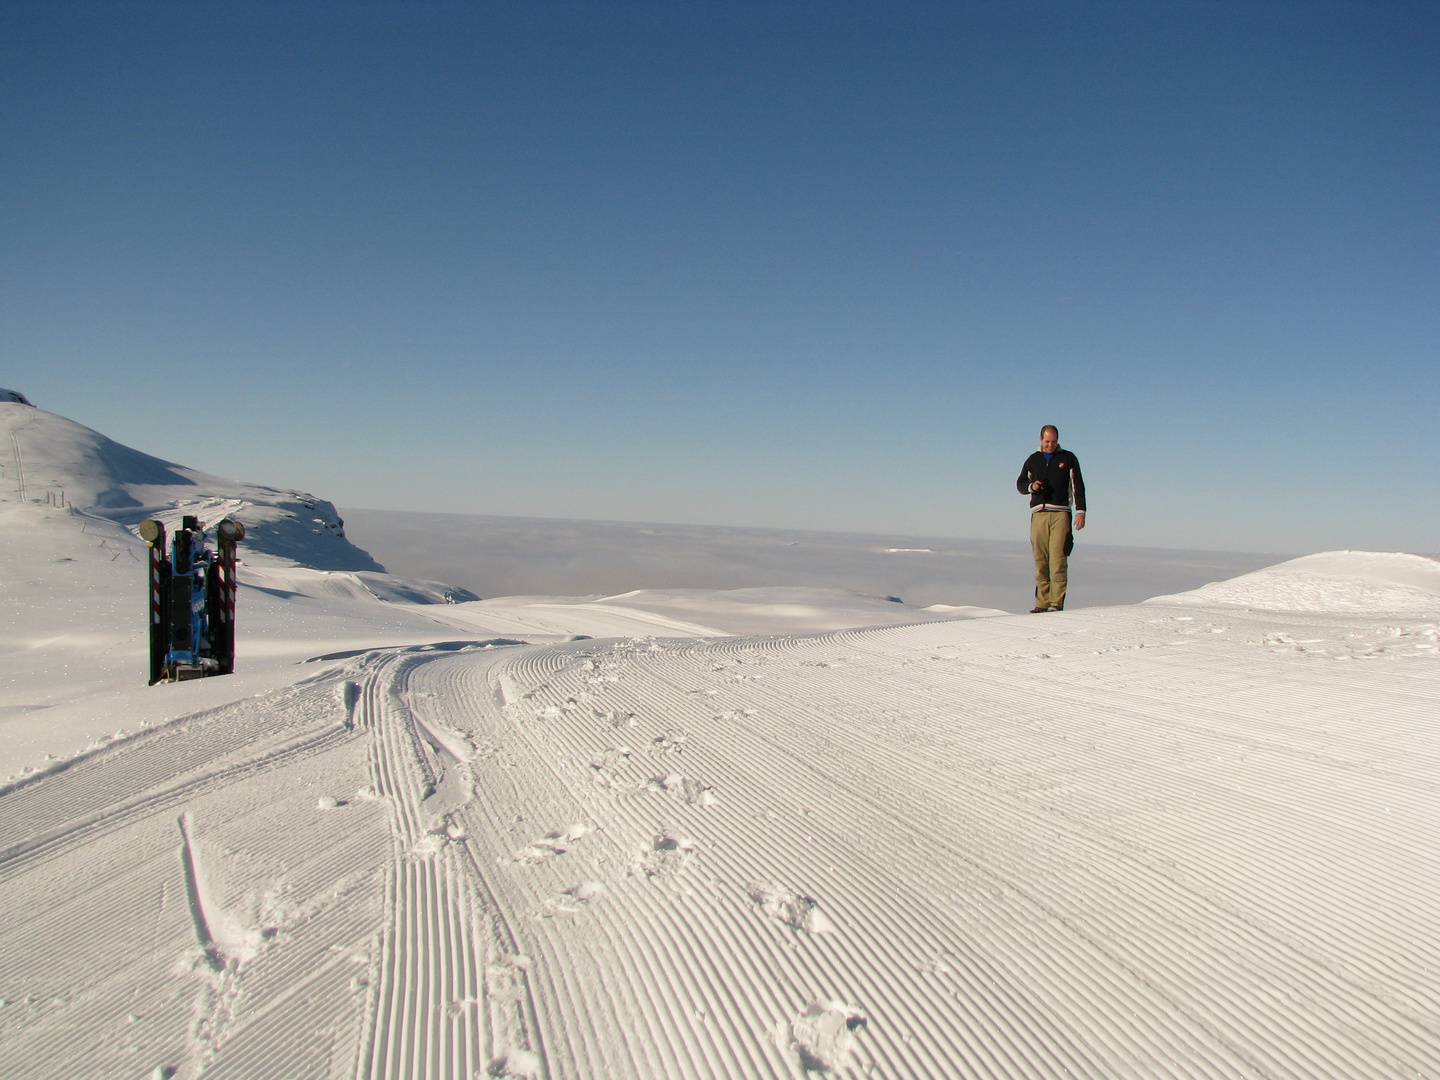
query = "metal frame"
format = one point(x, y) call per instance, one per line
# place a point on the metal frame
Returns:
point(192, 599)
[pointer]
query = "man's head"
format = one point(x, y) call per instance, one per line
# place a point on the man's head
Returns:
point(1049, 438)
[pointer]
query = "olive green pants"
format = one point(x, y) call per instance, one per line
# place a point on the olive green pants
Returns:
point(1049, 529)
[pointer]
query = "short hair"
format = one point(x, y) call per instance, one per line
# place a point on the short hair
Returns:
point(1050, 427)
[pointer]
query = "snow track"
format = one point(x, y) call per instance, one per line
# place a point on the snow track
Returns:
point(19, 467)
point(963, 849)
point(449, 1004)
point(187, 951)
point(153, 771)
point(1150, 841)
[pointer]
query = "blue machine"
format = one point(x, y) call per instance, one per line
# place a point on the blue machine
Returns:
point(192, 599)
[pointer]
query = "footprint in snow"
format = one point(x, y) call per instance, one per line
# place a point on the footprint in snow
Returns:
point(550, 845)
point(431, 843)
point(823, 1036)
point(673, 741)
point(516, 1062)
point(685, 788)
point(795, 910)
point(347, 696)
point(607, 765)
point(615, 718)
point(573, 900)
point(665, 857)
point(505, 981)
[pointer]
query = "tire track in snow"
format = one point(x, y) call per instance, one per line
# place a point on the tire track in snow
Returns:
point(114, 914)
point(1023, 909)
point(446, 1005)
point(756, 861)
point(577, 1048)
point(670, 709)
point(1215, 973)
point(1304, 854)
point(668, 1011)
point(1238, 878)
point(55, 840)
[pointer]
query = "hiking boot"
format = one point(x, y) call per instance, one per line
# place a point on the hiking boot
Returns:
point(1038, 610)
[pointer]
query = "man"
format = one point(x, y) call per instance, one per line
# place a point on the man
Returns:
point(1051, 477)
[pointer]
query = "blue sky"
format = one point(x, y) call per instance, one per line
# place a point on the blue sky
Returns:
point(805, 265)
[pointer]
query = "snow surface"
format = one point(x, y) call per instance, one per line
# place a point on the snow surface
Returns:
point(727, 834)
point(1333, 581)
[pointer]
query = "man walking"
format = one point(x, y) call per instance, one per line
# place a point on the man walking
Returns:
point(1051, 477)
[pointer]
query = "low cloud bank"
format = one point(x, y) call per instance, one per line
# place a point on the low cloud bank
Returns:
point(507, 556)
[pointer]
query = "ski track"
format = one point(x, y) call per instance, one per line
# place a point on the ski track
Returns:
point(1126, 842)
point(19, 465)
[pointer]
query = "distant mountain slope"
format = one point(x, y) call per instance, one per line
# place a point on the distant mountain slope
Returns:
point(46, 457)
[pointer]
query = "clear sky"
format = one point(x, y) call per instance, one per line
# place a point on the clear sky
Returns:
point(821, 265)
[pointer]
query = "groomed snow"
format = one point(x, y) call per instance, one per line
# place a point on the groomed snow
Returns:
point(1190, 837)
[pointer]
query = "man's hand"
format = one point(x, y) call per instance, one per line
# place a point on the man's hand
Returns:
point(1035, 486)
point(1079, 519)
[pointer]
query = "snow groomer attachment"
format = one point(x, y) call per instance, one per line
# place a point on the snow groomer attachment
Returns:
point(192, 600)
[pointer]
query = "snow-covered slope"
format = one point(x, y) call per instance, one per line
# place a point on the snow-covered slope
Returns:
point(1186, 838)
point(47, 458)
point(1332, 581)
point(72, 592)
point(1179, 838)
point(786, 610)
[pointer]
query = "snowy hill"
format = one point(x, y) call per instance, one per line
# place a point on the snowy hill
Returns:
point(588, 837)
point(47, 458)
point(1178, 838)
point(1330, 581)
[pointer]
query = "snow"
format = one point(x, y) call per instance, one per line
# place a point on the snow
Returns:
point(1334, 581)
point(769, 831)
point(55, 460)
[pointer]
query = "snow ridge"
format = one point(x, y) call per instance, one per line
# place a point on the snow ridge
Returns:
point(72, 465)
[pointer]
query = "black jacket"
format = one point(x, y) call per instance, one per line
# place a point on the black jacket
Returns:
point(1060, 481)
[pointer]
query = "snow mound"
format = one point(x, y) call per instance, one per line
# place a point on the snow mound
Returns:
point(60, 462)
point(291, 581)
point(1351, 582)
point(786, 609)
